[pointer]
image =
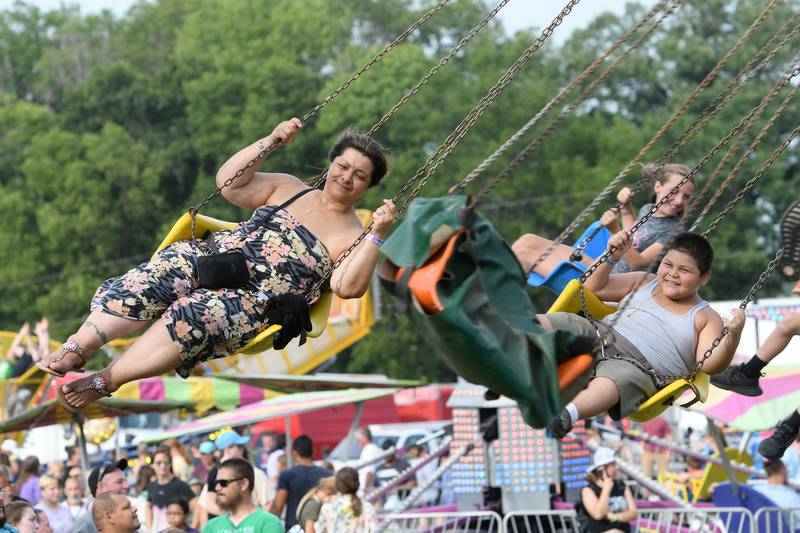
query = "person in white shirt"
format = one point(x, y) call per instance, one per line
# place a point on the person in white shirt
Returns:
point(369, 452)
point(776, 489)
point(57, 513)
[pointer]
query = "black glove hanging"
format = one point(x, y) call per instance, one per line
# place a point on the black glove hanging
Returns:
point(292, 313)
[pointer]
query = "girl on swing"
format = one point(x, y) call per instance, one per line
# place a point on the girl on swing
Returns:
point(291, 241)
point(648, 242)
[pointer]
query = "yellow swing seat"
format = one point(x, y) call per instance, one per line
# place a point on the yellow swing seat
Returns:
point(182, 231)
point(569, 301)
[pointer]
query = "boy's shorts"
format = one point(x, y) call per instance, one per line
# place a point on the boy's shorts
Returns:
point(634, 384)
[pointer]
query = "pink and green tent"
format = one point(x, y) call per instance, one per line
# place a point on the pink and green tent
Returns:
point(742, 413)
point(278, 407)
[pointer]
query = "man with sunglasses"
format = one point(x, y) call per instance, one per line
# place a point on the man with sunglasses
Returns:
point(234, 495)
point(107, 478)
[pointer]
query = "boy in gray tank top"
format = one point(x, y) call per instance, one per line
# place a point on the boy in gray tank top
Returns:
point(662, 329)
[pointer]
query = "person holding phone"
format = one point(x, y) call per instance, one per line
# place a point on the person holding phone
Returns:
point(607, 505)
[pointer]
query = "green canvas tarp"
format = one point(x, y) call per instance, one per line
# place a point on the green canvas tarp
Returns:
point(487, 332)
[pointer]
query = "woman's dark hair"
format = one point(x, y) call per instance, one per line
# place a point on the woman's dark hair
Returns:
point(146, 474)
point(15, 510)
point(367, 146)
point(346, 483)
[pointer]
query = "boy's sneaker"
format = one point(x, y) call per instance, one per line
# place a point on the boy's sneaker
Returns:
point(775, 445)
point(734, 379)
point(560, 425)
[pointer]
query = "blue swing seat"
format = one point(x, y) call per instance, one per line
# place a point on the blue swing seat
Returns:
point(567, 270)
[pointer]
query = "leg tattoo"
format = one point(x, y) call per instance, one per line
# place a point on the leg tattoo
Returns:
point(100, 333)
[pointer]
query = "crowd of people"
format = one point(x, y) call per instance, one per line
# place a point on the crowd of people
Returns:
point(209, 486)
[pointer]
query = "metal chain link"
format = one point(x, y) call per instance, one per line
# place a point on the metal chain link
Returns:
point(710, 77)
point(264, 152)
point(747, 153)
point(785, 80)
point(588, 71)
point(320, 180)
point(752, 181)
point(596, 83)
point(421, 176)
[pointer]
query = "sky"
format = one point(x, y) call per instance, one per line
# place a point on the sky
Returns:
point(516, 15)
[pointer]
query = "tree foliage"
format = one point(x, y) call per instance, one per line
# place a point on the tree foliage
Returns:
point(111, 126)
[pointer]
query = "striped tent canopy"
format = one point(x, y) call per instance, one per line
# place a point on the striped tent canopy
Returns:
point(742, 413)
point(196, 394)
point(278, 407)
point(289, 383)
point(50, 412)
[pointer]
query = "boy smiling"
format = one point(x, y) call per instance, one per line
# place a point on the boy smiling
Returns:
point(661, 331)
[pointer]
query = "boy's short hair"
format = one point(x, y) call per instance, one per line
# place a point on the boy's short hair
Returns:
point(696, 246)
point(303, 446)
point(773, 467)
point(182, 502)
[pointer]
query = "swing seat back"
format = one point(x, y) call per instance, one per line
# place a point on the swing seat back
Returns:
point(567, 270)
point(182, 231)
point(569, 302)
point(423, 281)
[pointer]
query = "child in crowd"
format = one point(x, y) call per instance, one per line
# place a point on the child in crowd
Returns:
point(659, 334)
point(177, 513)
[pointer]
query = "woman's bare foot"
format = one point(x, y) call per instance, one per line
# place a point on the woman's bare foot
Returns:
point(70, 356)
point(81, 392)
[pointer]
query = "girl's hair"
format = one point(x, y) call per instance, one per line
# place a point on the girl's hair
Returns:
point(146, 474)
point(347, 484)
point(655, 172)
point(325, 484)
point(15, 510)
point(30, 467)
point(47, 481)
point(176, 447)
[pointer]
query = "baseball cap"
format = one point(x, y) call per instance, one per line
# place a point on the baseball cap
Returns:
point(98, 472)
point(206, 447)
point(229, 438)
point(602, 456)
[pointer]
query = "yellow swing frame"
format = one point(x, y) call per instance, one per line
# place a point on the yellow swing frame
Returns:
point(182, 231)
point(569, 301)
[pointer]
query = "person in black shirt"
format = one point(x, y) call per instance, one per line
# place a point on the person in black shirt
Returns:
point(606, 503)
point(295, 482)
point(392, 467)
point(165, 489)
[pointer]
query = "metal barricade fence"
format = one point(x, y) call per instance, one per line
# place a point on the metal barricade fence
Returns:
point(459, 522)
point(777, 520)
point(541, 521)
point(702, 520)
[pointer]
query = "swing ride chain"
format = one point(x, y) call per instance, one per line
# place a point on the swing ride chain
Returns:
point(710, 77)
point(597, 63)
point(449, 144)
point(698, 198)
point(266, 151)
point(320, 179)
point(759, 284)
point(731, 89)
point(762, 279)
point(735, 131)
point(514, 163)
point(749, 185)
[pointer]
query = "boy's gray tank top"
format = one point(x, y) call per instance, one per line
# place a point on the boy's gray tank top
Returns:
point(666, 340)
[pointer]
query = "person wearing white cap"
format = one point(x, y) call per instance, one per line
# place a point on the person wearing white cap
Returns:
point(607, 504)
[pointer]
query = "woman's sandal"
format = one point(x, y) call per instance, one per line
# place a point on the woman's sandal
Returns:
point(790, 241)
point(94, 382)
point(67, 347)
